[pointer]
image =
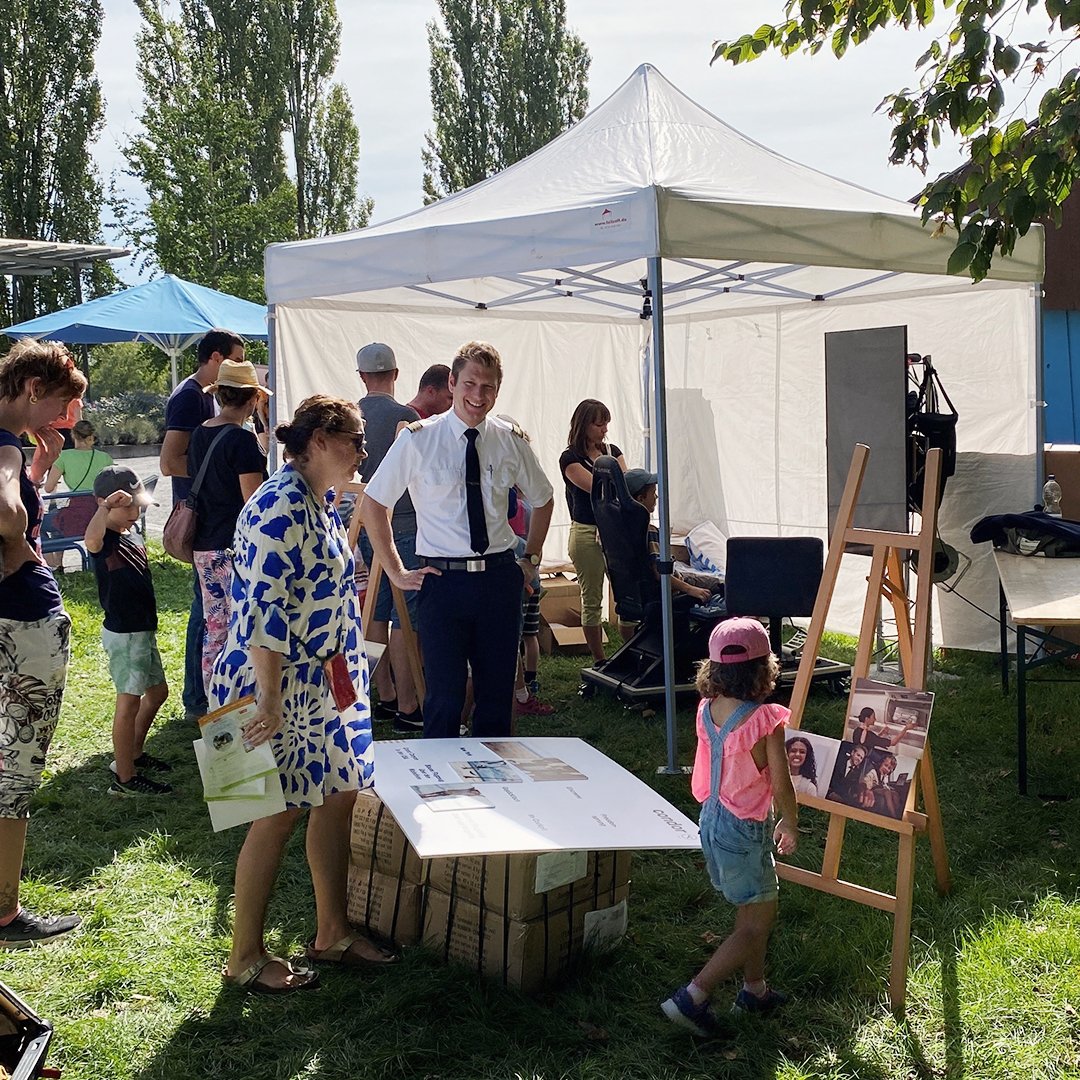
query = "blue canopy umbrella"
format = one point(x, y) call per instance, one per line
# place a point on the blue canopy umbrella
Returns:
point(168, 312)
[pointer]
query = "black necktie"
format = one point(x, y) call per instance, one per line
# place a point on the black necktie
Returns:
point(474, 499)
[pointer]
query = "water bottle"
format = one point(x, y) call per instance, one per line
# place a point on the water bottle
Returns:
point(1052, 497)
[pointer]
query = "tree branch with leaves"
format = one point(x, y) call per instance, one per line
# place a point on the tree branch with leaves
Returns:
point(1019, 168)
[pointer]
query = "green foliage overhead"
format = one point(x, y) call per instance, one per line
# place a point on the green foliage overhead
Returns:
point(50, 113)
point(1019, 168)
point(506, 78)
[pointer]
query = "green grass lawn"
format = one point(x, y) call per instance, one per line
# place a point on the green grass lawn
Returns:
point(994, 985)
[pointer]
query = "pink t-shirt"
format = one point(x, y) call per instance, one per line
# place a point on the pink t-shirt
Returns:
point(744, 789)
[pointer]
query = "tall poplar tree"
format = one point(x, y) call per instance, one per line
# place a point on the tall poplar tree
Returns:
point(324, 137)
point(223, 83)
point(209, 156)
point(51, 111)
point(506, 78)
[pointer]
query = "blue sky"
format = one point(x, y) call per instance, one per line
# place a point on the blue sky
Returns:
point(817, 110)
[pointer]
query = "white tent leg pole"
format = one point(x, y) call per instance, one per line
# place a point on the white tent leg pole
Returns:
point(173, 353)
point(656, 287)
point(645, 375)
point(272, 381)
point(1040, 403)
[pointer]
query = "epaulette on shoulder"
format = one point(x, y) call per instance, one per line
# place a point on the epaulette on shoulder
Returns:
point(416, 425)
point(517, 429)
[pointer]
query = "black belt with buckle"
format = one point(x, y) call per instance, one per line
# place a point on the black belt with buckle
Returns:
point(471, 566)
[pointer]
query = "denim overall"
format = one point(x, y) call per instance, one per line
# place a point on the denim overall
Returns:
point(738, 852)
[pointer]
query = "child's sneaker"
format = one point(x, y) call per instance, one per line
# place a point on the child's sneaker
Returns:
point(138, 785)
point(531, 706)
point(764, 1004)
point(700, 1019)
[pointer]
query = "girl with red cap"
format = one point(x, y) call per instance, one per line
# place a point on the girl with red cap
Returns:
point(740, 770)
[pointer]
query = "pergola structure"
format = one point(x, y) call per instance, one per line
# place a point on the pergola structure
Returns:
point(36, 257)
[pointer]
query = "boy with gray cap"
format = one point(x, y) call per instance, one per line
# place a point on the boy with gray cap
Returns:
point(129, 633)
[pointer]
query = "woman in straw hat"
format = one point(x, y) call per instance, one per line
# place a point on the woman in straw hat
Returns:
point(237, 466)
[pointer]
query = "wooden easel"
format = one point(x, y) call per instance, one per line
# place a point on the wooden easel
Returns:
point(914, 645)
point(375, 576)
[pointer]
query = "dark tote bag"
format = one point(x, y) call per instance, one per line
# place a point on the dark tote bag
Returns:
point(179, 533)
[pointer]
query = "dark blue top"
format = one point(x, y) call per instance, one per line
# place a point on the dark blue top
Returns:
point(125, 587)
point(579, 502)
point(185, 410)
point(31, 592)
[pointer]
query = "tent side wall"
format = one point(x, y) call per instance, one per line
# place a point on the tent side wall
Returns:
point(548, 367)
point(746, 405)
point(763, 380)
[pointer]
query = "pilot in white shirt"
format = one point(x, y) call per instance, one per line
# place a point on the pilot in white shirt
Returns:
point(470, 583)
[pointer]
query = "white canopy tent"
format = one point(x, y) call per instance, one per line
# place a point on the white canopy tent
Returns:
point(652, 245)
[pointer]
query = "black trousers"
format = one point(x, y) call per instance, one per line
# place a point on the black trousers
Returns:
point(470, 620)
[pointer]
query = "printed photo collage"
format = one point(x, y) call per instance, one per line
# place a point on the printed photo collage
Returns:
point(511, 763)
point(872, 767)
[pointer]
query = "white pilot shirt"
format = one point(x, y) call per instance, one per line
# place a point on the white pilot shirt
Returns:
point(430, 463)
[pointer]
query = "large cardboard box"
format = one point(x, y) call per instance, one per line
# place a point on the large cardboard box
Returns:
point(387, 905)
point(526, 886)
point(560, 616)
point(377, 843)
point(528, 954)
point(1063, 460)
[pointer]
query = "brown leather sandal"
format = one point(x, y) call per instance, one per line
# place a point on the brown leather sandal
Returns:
point(339, 953)
point(249, 979)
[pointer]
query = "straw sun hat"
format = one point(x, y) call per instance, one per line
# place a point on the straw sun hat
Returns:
point(238, 373)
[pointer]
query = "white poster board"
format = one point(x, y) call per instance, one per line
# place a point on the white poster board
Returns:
point(505, 795)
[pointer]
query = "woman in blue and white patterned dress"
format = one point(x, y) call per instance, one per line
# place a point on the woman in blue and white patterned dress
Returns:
point(294, 606)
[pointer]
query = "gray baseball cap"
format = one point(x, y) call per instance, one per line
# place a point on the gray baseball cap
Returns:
point(376, 357)
point(121, 478)
point(638, 479)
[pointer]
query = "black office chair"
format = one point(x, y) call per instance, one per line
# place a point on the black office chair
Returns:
point(636, 670)
point(777, 577)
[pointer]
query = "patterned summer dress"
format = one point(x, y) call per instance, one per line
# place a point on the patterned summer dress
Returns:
point(293, 592)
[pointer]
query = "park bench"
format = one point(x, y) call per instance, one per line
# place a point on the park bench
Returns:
point(67, 513)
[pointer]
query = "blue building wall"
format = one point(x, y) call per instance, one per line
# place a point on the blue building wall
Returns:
point(1061, 375)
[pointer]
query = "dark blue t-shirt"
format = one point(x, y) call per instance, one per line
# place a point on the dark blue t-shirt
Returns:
point(185, 410)
point(125, 587)
point(31, 592)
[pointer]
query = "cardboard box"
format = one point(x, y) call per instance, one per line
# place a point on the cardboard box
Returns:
point(561, 598)
point(528, 954)
point(560, 616)
point(387, 905)
point(526, 886)
point(377, 843)
point(1063, 460)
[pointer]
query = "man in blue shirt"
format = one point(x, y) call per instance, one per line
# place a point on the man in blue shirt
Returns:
point(188, 406)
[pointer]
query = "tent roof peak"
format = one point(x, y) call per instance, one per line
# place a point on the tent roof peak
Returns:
point(648, 172)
